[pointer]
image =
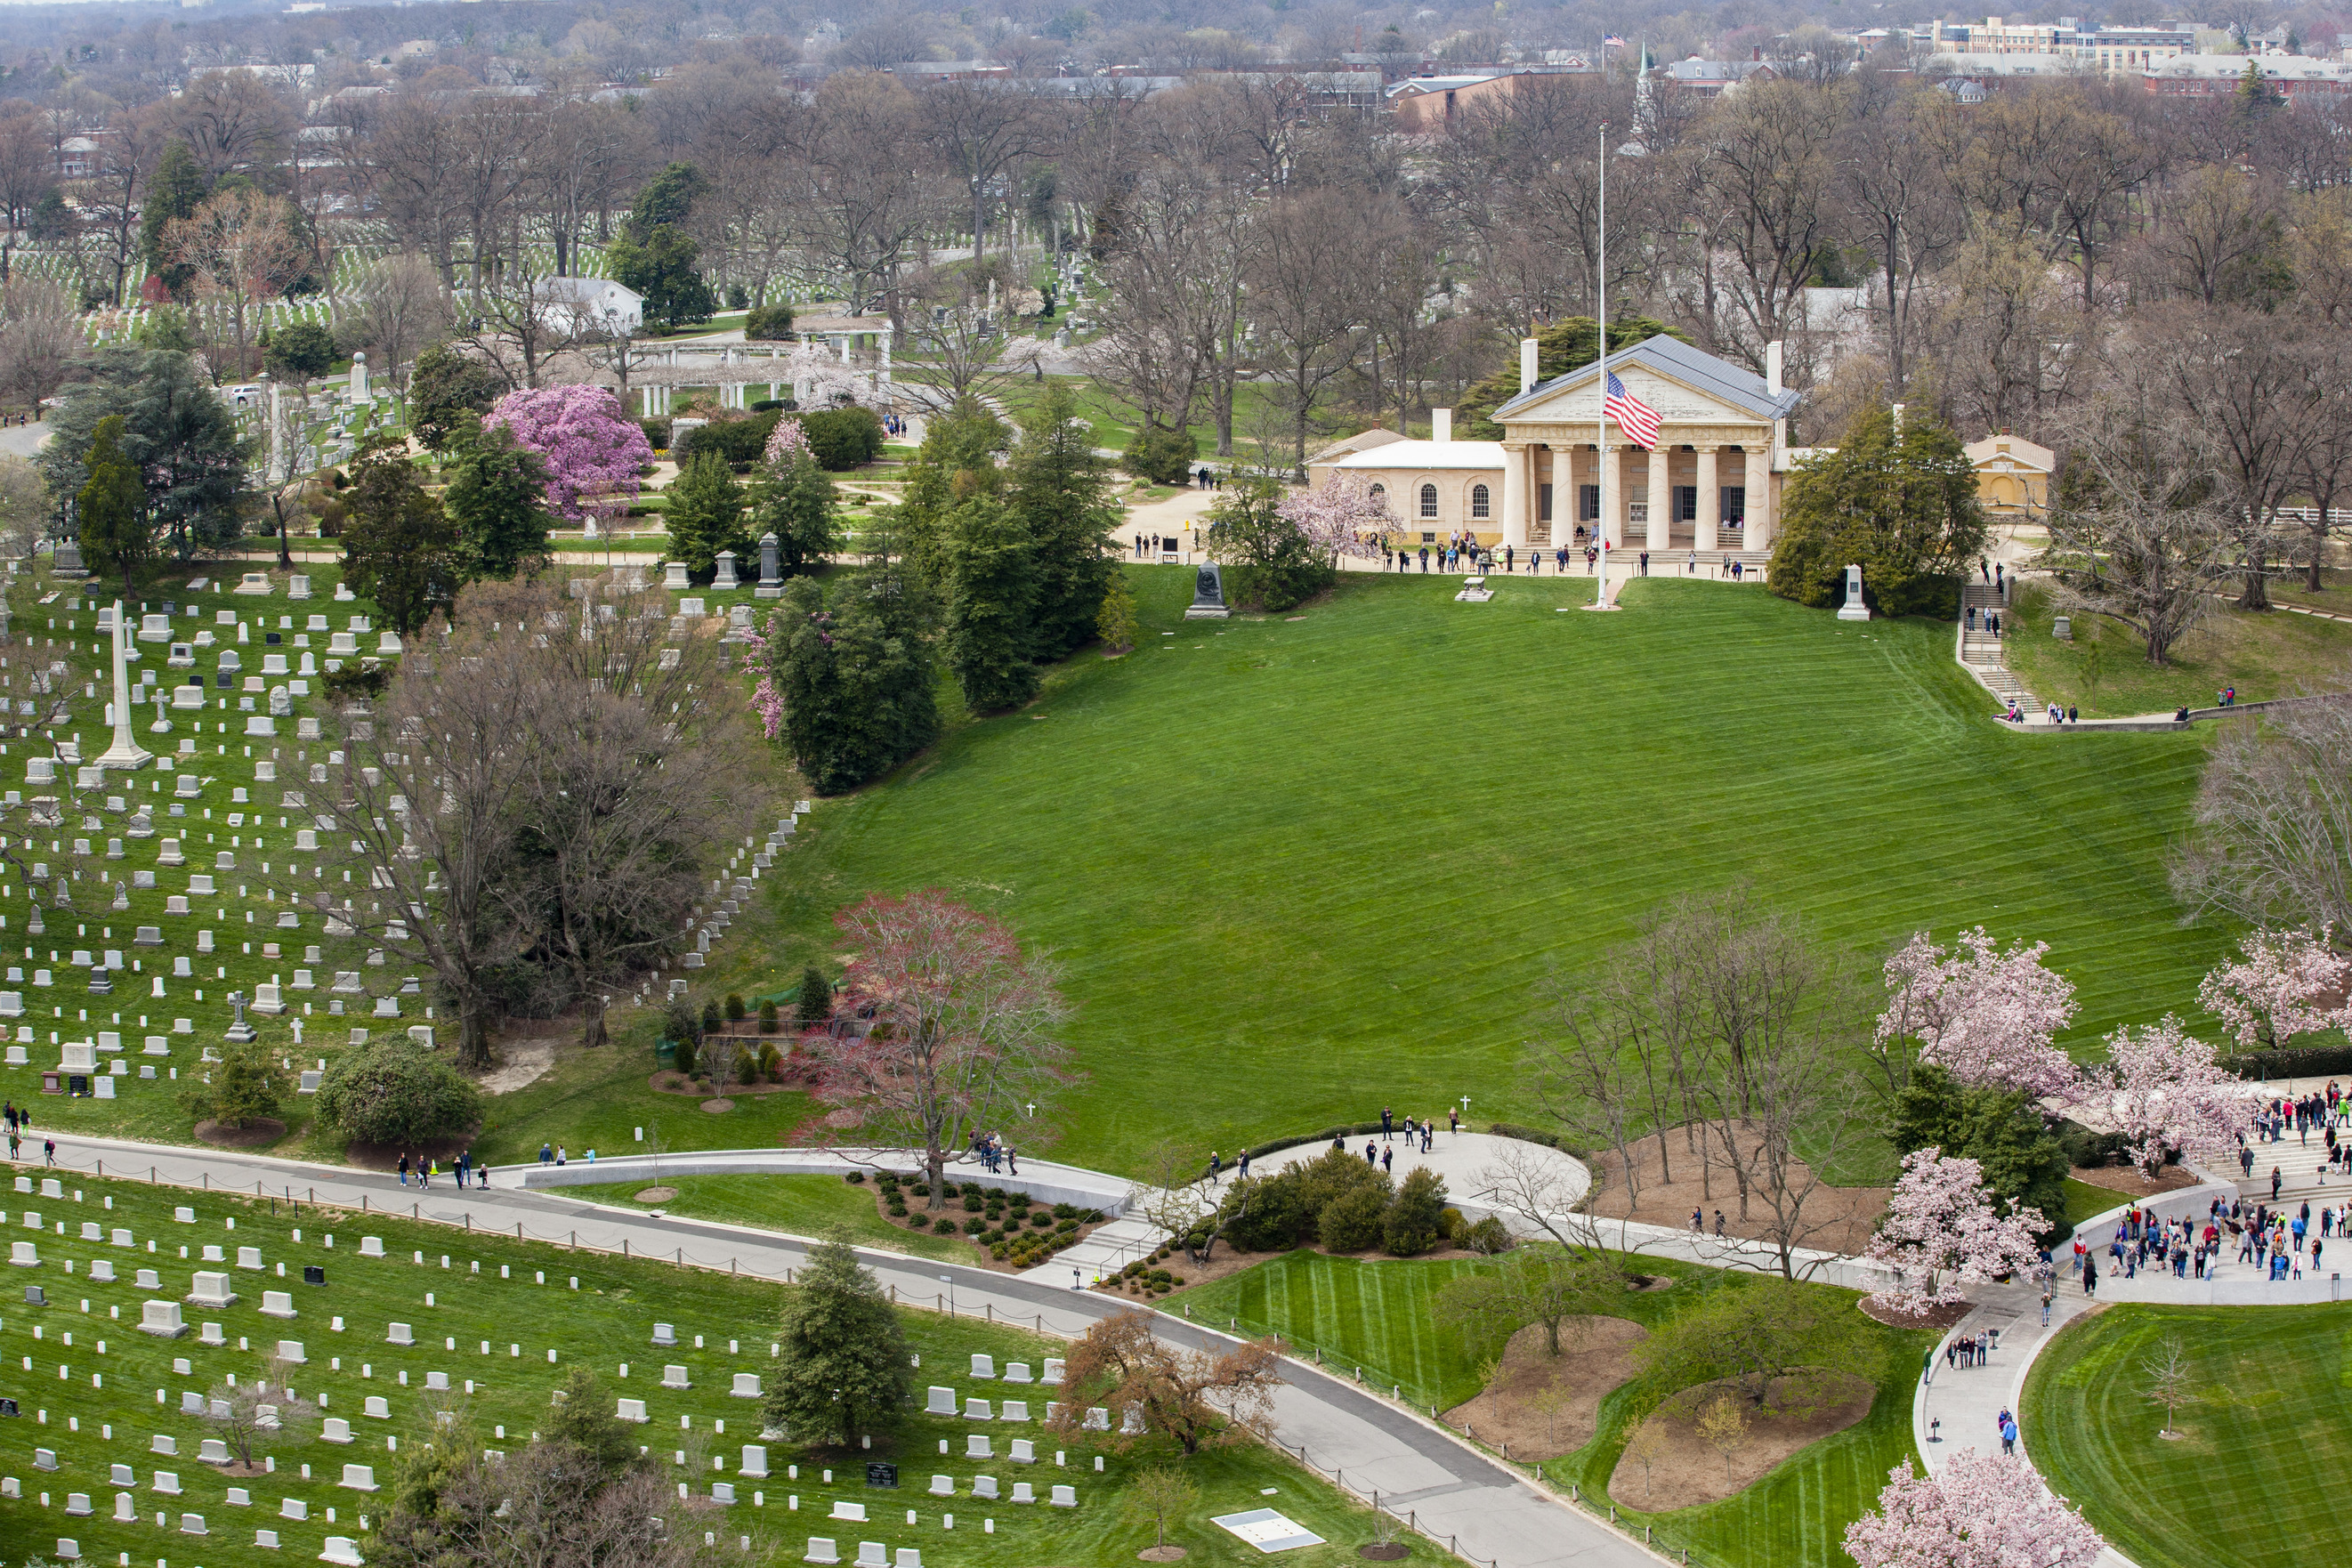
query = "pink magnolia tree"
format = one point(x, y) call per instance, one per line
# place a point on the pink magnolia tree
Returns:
point(2281, 985)
point(1981, 1512)
point(2165, 1089)
point(1984, 1013)
point(591, 449)
point(1341, 516)
point(1943, 1227)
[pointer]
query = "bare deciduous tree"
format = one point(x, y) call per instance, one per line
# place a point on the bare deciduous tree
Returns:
point(2272, 843)
point(1198, 1397)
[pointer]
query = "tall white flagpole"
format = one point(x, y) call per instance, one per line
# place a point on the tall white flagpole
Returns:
point(1600, 424)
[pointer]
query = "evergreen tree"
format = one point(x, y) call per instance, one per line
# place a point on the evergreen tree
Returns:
point(582, 1417)
point(400, 548)
point(957, 461)
point(666, 200)
point(845, 1369)
point(705, 515)
point(300, 351)
point(443, 389)
point(497, 498)
point(1904, 506)
point(175, 190)
point(814, 1004)
point(661, 268)
point(992, 594)
point(854, 678)
point(2002, 1130)
point(1115, 624)
point(111, 510)
point(795, 501)
point(1060, 491)
point(182, 435)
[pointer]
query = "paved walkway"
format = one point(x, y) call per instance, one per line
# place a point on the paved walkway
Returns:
point(1486, 1508)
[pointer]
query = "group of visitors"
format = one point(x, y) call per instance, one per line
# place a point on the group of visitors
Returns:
point(1148, 546)
point(1973, 1350)
point(995, 1153)
point(2281, 1243)
point(19, 1119)
point(465, 1169)
point(1992, 620)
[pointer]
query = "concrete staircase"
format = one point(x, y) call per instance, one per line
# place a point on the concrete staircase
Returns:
point(1980, 651)
point(2302, 1177)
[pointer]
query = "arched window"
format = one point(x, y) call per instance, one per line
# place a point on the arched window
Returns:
point(1429, 501)
point(1380, 495)
point(1480, 505)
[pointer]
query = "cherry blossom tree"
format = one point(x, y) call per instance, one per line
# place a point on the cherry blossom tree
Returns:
point(1942, 1228)
point(961, 1037)
point(2163, 1090)
point(591, 449)
point(820, 380)
point(1341, 516)
point(1981, 1512)
point(787, 444)
point(2284, 983)
point(1986, 1014)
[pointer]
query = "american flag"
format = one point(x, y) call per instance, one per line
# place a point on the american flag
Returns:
point(1633, 416)
point(1612, 42)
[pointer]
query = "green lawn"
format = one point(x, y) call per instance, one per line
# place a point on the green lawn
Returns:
point(2256, 1480)
point(93, 1397)
point(2084, 1200)
point(1295, 869)
point(1380, 1316)
point(2271, 654)
point(802, 1205)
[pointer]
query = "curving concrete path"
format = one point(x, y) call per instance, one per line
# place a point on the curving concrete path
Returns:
point(1485, 1508)
point(1967, 1401)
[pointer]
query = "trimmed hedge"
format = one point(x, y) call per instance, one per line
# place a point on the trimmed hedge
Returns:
point(2309, 1061)
point(1354, 1129)
point(742, 442)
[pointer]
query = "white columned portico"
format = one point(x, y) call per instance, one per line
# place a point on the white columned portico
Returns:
point(1759, 499)
point(1662, 500)
point(1517, 496)
point(1710, 501)
point(1622, 482)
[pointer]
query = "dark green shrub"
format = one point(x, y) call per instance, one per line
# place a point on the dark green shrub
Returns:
point(684, 1056)
point(1416, 1215)
point(975, 1226)
point(971, 1202)
point(768, 323)
point(853, 1177)
point(740, 442)
point(1041, 1220)
point(735, 1012)
point(843, 438)
point(710, 1018)
point(300, 351)
point(767, 1018)
point(395, 1091)
point(1352, 1221)
point(656, 433)
point(1163, 456)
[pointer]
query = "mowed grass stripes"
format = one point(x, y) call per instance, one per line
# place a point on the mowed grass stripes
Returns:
point(2256, 1480)
point(1380, 1315)
point(1297, 870)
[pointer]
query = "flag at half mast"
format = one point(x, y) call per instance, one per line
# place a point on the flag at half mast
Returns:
point(1636, 417)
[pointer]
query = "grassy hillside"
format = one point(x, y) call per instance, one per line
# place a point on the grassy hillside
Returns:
point(1296, 869)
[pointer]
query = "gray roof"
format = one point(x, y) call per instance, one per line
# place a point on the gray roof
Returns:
point(1719, 379)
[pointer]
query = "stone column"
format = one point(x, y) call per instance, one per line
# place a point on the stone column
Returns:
point(1710, 501)
point(1518, 498)
point(1629, 469)
point(1759, 498)
point(1662, 500)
